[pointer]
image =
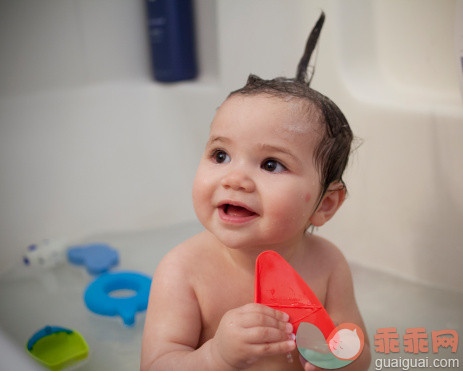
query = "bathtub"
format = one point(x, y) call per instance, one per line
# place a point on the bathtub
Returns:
point(54, 297)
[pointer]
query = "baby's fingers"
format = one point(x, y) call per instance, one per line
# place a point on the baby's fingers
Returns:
point(258, 315)
point(253, 320)
point(265, 310)
point(269, 349)
point(260, 335)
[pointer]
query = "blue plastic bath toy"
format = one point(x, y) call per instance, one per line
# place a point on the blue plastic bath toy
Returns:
point(99, 300)
point(97, 257)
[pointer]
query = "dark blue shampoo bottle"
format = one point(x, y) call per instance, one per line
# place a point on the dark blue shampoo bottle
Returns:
point(172, 39)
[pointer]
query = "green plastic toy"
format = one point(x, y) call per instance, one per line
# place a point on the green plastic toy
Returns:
point(57, 347)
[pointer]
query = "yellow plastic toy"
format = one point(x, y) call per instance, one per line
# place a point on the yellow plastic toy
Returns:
point(57, 347)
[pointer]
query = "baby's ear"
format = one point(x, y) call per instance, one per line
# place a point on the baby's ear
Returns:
point(330, 203)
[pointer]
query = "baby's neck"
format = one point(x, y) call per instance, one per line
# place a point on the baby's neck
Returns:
point(245, 258)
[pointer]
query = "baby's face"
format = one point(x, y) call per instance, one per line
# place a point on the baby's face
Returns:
point(256, 183)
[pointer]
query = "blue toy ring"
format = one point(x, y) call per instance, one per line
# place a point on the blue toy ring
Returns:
point(98, 300)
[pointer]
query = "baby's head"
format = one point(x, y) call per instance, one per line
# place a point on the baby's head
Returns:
point(335, 136)
point(274, 160)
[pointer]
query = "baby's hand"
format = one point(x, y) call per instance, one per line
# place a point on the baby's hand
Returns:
point(247, 333)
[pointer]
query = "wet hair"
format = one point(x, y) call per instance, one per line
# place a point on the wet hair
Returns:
point(331, 153)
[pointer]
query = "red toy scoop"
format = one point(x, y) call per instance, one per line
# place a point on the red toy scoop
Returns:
point(279, 286)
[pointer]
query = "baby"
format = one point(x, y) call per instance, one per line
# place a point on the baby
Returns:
point(271, 169)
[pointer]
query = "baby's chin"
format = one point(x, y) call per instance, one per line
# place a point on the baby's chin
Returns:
point(235, 241)
point(230, 240)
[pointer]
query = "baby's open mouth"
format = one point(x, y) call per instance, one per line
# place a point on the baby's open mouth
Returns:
point(236, 211)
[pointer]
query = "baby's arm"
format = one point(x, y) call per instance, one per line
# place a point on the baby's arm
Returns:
point(173, 327)
point(341, 306)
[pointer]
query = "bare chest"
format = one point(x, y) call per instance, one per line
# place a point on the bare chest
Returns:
point(233, 293)
point(226, 290)
point(223, 292)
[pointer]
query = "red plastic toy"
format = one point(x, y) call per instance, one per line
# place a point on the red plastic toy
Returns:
point(279, 286)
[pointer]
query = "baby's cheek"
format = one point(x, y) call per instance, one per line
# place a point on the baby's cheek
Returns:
point(196, 189)
point(308, 197)
point(199, 192)
point(290, 209)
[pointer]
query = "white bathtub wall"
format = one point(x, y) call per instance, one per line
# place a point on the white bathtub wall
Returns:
point(89, 143)
point(396, 78)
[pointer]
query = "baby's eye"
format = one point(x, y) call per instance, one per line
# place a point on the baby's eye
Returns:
point(220, 156)
point(272, 166)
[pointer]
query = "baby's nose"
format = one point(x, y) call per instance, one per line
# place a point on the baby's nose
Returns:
point(238, 180)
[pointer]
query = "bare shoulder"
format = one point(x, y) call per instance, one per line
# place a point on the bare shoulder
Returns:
point(340, 300)
point(339, 290)
point(173, 275)
point(173, 318)
point(184, 260)
point(325, 253)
